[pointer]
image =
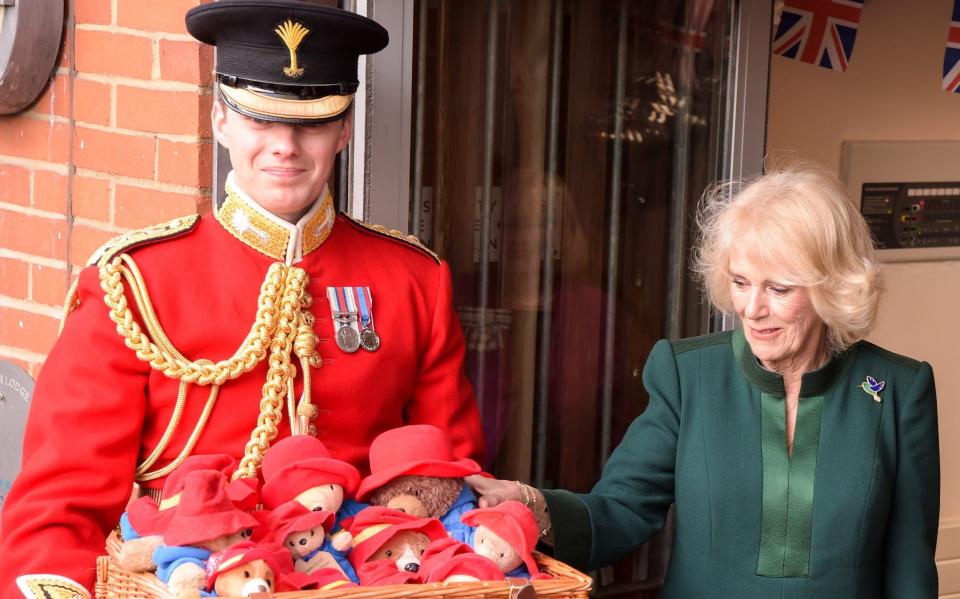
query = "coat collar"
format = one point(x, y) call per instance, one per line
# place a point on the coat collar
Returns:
point(814, 383)
point(271, 235)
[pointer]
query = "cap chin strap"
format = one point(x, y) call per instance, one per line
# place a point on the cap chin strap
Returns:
point(260, 106)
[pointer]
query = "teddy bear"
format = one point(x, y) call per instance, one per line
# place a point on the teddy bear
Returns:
point(304, 534)
point(300, 468)
point(205, 521)
point(507, 535)
point(247, 568)
point(448, 560)
point(413, 469)
point(388, 545)
point(242, 570)
point(143, 522)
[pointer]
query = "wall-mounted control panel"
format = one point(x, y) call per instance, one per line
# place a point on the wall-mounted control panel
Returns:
point(912, 215)
point(909, 193)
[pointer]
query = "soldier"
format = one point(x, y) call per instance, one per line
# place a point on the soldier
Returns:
point(220, 333)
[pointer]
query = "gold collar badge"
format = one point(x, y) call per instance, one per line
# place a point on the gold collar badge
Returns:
point(271, 235)
point(292, 34)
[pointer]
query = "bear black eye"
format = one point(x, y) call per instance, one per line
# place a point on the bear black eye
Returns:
point(246, 533)
point(311, 532)
point(389, 552)
point(501, 555)
point(331, 487)
point(246, 574)
point(421, 552)
point(291, 543)
point(269, 583)
point(417, 492)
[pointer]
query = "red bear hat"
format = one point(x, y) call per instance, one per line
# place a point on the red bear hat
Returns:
point(205, 512)
point(244, 553)
point(414, 450)
point(292, 517)
point(466, 564)
point(514, 523)
point(442, 550)
point(383, 572)
point(322, 579)
point(148, 518)
point(301, 462)
point(374, 526)
point(447, 557)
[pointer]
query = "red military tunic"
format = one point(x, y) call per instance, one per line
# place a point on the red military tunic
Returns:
point(98, 410)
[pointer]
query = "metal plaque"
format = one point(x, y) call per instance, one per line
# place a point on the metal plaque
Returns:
point(16, 390)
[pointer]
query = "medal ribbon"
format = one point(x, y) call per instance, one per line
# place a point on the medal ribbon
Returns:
point(351, 304)
point(334, 300)
point(366, 305)
point(341, 309)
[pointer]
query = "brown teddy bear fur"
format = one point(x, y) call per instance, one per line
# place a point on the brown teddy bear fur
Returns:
point(394, 548)
point(312, 538)
point(136, 555)
point(420, 496)
point(255, 576)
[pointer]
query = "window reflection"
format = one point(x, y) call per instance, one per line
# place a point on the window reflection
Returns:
point(559, 148)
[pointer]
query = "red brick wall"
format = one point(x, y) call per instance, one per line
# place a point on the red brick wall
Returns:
point(119, 140)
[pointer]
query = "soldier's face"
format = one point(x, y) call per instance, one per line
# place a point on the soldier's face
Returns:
point(282, 167)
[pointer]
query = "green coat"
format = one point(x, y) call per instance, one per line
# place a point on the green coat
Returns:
point(851, 514)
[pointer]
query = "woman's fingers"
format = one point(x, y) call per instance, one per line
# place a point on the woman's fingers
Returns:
point(493, 491)
point(476, 482)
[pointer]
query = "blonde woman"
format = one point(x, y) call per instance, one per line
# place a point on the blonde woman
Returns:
point(803, 460)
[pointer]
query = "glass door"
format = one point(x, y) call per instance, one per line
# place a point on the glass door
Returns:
point(558, 148)
point(556, 151)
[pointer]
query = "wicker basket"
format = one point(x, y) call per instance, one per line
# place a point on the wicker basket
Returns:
point(115, 583)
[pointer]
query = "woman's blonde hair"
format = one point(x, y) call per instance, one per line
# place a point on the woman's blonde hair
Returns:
point(799, 222)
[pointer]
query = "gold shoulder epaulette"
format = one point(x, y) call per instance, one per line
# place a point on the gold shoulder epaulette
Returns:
point(411, 240)
point(138, 237)
point(124, 242)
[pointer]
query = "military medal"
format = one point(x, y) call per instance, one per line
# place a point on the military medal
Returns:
point(369, 340)
point(347, 339)
point(344, 317)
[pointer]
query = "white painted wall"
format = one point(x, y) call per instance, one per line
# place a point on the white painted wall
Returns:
point(892, 91)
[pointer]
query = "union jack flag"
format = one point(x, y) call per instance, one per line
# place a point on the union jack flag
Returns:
point(951, 58)
point(820, 32)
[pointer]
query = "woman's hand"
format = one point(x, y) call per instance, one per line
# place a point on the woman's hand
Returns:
point(493, 491)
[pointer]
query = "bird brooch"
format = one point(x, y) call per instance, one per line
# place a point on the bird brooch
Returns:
point(873, 387)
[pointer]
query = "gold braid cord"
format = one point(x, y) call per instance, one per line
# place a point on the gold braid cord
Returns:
point(281, 370)
point(283, 323)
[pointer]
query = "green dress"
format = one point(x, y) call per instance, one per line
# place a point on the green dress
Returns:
point(851, 514)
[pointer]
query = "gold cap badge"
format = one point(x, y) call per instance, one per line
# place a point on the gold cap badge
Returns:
point(292, 34)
